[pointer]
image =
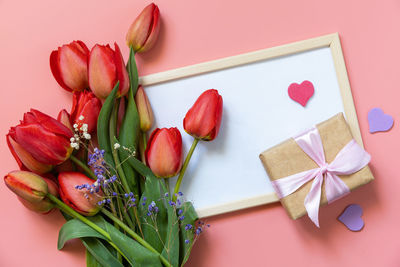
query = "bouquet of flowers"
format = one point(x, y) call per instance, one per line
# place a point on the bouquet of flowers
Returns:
point(96, 164)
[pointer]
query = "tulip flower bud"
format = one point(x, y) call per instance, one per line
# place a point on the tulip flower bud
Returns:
point(164, 152)
point(106, 68)
point(64, 118)
point(85, 110)
point(69, 66)
point(44, 206)
point(144, 110)
point(75, 191)
point(203, 119)
point(43, 138)
point(27, 185)
point(143, 32)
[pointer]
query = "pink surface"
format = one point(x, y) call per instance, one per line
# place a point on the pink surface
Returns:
point(197, 31)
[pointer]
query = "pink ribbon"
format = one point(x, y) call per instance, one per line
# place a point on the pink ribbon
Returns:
point(350, 159)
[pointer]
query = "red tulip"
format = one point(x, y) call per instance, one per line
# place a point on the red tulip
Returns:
point(65, 118)
point(80, 200)
point(44, 139)
point(27, 185)
point(69, 66)
point(203, 119)
point(85, 109)
point(143, 32)
point(44, 206)
point(106, 67)
point(164, 152)
point(144, 109)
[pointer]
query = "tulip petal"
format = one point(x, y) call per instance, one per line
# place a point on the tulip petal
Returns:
point(153, 31)
point(81, 46)
point(53, 151)
point(72, 62)
point(64, 118)
point(87, 105)
point(75, 198)
point(122, 73)
point(102, 70)
point(24, 159)
point(49, 123)
point(44, 206)
point(55, 69)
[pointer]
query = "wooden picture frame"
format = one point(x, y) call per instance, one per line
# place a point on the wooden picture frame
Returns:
point(331, 40)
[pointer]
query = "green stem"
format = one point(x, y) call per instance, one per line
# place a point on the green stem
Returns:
point(83, 166)
point(166, 184)
point(184, 167)
point(135, 235)
point(113, 130)
point(62, 206)
point(144, 136)
point(121, 174)
point(142, 147)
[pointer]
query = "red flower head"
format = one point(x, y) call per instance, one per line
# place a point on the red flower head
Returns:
point(143, 32)
point(164, 152)
point(69, 66)
point(203, 119)
point(39, 141)
point(106, 68)
point(144, 109)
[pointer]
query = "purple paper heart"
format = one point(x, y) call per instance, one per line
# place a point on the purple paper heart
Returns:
point(351, 217)
point(379, 121)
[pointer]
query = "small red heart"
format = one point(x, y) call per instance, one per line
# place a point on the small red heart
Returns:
point(301, 93)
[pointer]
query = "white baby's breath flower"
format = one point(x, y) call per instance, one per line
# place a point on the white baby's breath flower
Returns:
point(81, 117)
point(86, 136)
point(116, 146)
point(75, 145)
point(84, 127)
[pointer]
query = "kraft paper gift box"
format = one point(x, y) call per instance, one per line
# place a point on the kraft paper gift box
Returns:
point(288, 158)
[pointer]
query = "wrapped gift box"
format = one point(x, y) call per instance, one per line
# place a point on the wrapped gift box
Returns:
point(288, 158)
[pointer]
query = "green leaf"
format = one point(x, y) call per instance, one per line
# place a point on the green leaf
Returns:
point(103, 121)
point(171, 244)
point(128, 137)
point(91, 261)
point(75, 229)
point(90, 238)
point(137, 254)
point(141, 168)
point(154, 190)
point(97, 254)
point(154, 231)
point(190, 218)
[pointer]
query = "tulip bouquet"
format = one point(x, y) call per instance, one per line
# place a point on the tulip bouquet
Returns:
point(96, 164)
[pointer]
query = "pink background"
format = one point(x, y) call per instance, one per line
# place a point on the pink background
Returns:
point(193, 32)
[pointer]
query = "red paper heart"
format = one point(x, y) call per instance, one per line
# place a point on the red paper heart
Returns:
point(301, 93)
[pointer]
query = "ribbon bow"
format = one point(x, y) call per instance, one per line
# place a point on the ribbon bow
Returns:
point(350, 159)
